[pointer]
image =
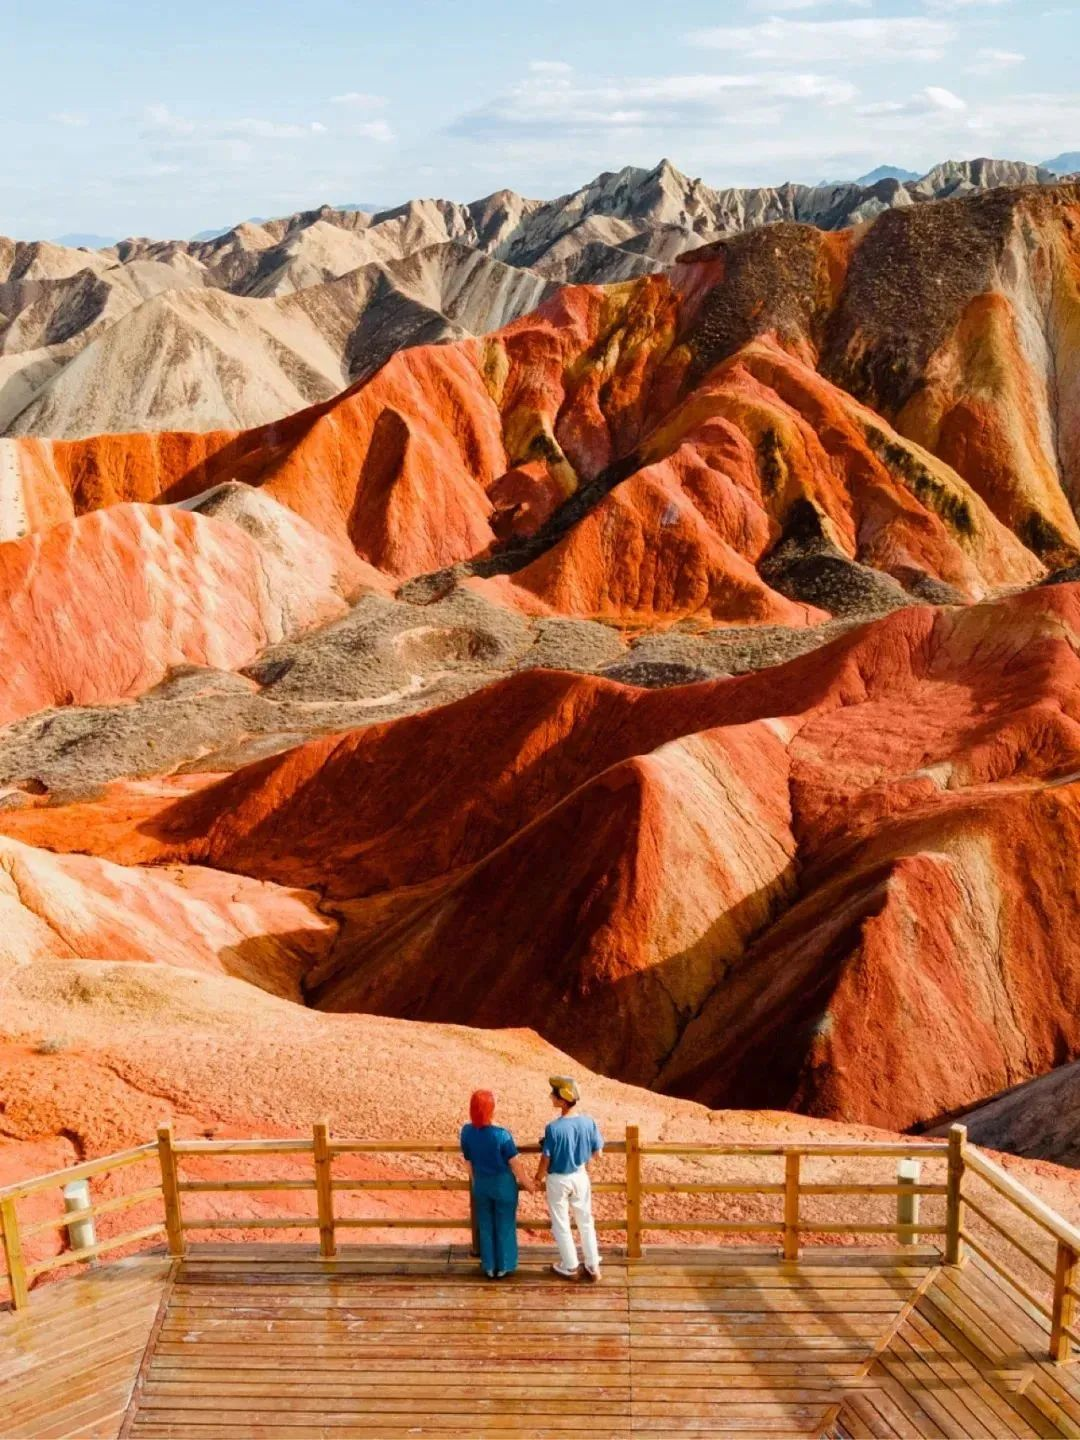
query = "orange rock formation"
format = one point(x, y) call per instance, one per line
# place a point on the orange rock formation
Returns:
point(839, 884)
point(688, 413)
point(831, 885)
point(101, 608)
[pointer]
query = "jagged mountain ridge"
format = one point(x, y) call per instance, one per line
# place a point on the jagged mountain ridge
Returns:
point(54, 301)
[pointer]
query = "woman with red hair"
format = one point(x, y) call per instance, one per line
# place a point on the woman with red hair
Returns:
point(495, 1172)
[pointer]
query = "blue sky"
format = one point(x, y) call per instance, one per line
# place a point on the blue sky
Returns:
point(164, 119)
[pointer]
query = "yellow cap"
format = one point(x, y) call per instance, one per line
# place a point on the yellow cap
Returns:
point(565, 1088)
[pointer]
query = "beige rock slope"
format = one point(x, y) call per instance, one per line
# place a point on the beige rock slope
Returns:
point(204, 359)
point(46, 321)
point(1040, 1118)
point(189, 359)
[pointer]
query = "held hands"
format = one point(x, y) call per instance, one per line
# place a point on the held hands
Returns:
point(521, 1176)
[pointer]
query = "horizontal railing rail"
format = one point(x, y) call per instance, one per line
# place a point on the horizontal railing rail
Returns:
point(966, 1221)
point(793, 1223)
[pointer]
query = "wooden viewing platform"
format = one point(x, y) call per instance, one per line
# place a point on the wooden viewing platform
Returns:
point(808, 1336)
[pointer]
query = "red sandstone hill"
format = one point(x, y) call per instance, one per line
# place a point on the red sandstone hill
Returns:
point(722, 395)
point(104, 607)
point(838, 885)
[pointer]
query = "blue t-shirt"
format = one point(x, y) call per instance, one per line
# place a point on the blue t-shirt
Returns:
point(570, 1142)
point(488, 1148)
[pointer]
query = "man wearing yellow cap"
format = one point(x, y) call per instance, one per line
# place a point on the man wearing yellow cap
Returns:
point(568, 1146)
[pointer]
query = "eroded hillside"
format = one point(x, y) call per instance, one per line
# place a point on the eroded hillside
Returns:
point(674, 671)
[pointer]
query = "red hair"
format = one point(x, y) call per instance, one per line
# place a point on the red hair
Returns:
point(481, 1107)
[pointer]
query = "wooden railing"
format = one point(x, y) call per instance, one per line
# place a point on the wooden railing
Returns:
point(20, 1271)
point(968, 1220)
point(1058, 1272)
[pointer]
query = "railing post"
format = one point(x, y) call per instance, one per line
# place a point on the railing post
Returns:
point(954, 1204)
point(907, 1204)
point(324, 1189)
point(81, 1234)
point(9, 1223)
point(633, 1193)
point(1065, 1277)
point(791, 1205)
point(170, 1190)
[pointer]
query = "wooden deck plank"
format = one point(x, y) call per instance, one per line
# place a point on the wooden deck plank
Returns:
point(897, 1408)
point(70, 1360)
point(1006, 1384)
point(866, 1420)
point(375, 1429)
point(981, 1304)
point(998, 1409)
point(269, 1340)
point(918, 1396)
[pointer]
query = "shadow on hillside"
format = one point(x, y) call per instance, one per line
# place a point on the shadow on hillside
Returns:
point(456, 957)
point(250, 456)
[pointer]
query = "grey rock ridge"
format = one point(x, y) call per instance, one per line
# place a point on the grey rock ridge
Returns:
point(270, 316)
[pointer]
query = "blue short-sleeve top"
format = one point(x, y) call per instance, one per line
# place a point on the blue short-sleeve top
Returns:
point(570, 1142)
point(488, 1148)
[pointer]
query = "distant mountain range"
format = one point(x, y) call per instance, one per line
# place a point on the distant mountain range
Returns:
point(1067, 163)
point(260, 320)
point(886, 172)
point(85, 240)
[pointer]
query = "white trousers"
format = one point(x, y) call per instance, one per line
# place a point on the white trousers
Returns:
point(566, 1193)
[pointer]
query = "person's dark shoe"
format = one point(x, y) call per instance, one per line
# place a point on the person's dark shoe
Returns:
point(593, 1276)
point(565, 1274)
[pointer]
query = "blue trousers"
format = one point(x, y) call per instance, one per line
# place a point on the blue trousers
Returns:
point(495, 1198)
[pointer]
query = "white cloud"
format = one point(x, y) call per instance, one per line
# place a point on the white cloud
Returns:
point(159, 122)
point(781, 7)
point(550, 67)
point(549, 104)
point(950, 6)
point(993, 62)
point(67, 117)
point(1029, 124)
point(377, 130)
point(160, 118)
point(800, 42)
point(269, 129)
point(930, 101)
point(359, 100)
point(942, 99)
